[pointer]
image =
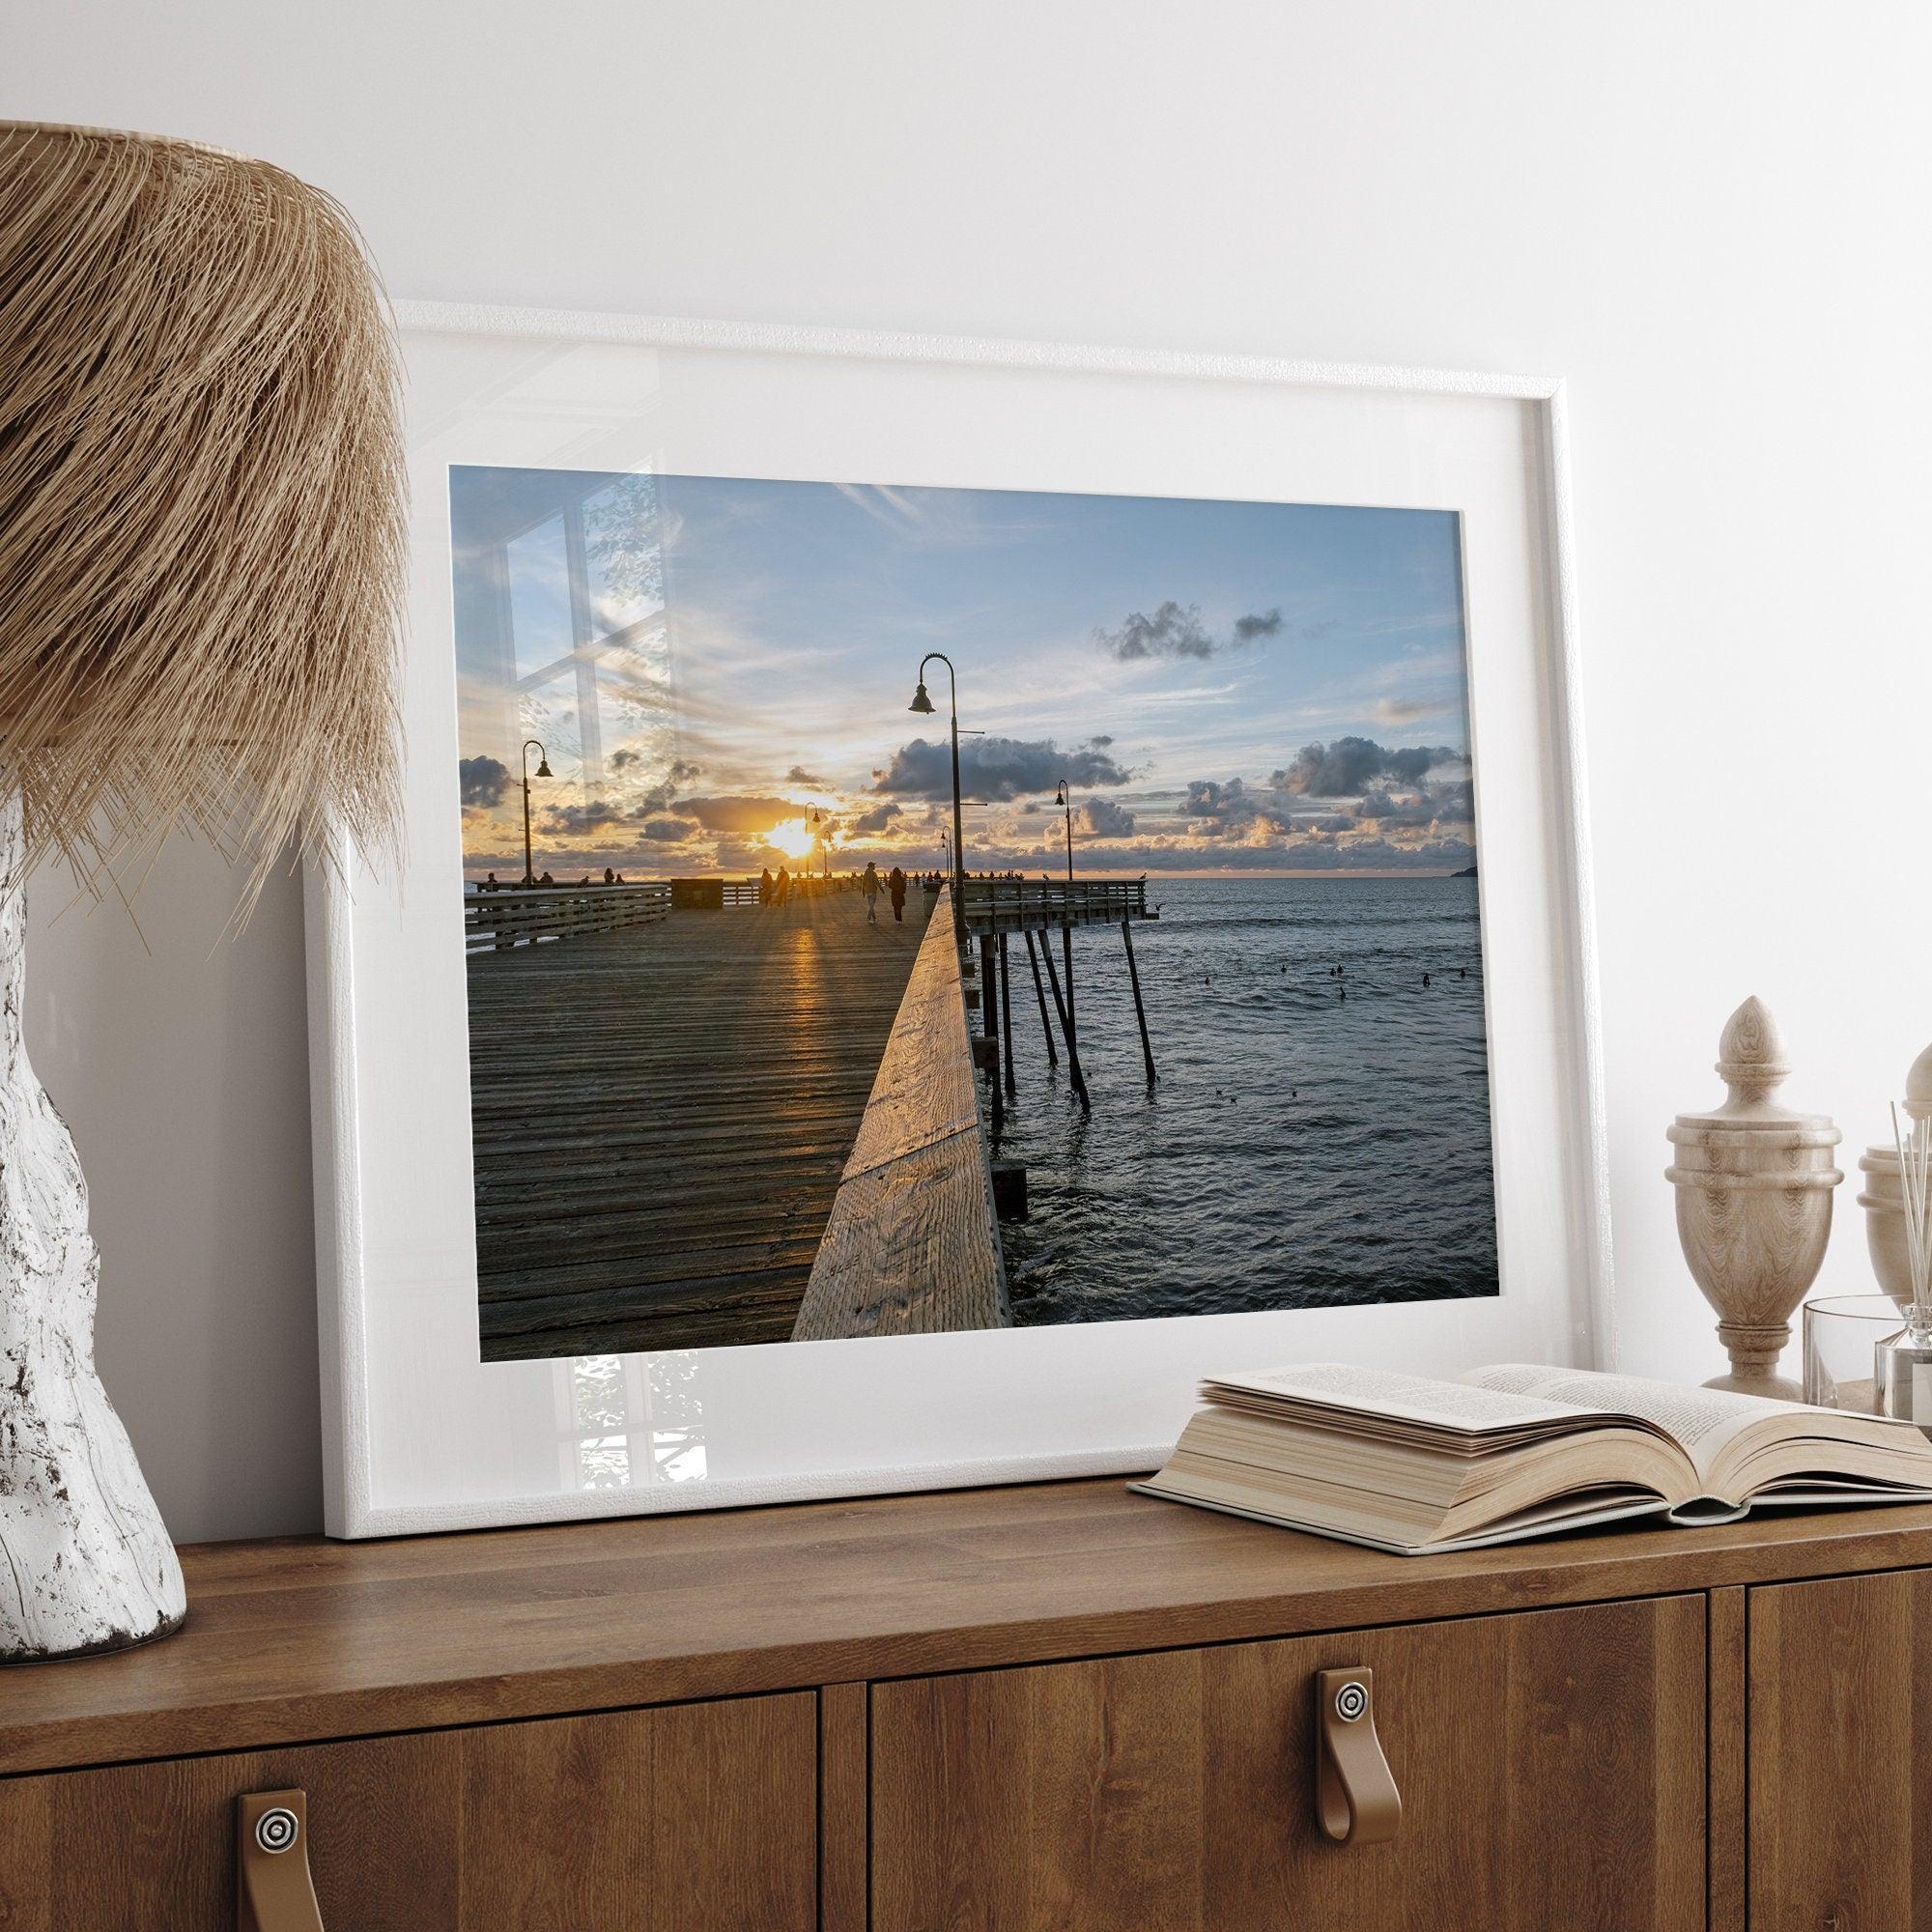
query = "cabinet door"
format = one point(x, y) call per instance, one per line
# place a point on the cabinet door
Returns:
point(692, 1818)
point(1839, 1726)
point(1550, 1766)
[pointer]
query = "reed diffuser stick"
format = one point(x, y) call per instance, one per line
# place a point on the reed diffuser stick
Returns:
point(1912, 1136)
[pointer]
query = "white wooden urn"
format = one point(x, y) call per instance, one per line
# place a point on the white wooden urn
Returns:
point(1754, 1182)
point(1882, 1200)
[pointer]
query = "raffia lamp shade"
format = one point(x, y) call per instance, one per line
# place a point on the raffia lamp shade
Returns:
point(201, 556)
point(201, 501)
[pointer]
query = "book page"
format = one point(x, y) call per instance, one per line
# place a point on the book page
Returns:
point(1462, 1406)
point(1704, 1421)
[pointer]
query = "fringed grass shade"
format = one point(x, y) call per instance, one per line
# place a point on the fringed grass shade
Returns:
point(201, 504)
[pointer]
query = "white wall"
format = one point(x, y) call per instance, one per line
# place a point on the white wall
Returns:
point(1711, 218)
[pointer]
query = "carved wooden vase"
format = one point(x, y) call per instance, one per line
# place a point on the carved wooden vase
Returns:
point(85, 1560)
point(1754, 1182)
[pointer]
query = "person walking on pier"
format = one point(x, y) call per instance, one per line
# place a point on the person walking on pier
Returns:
point(765, 887)
point(781, 887)
point(870, 885)
point(896, 884)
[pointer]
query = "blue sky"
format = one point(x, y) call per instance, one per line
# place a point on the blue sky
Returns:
point(1251, 687)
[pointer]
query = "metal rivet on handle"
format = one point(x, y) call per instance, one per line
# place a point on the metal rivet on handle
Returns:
point(276, 1829)
point(1352, 1702)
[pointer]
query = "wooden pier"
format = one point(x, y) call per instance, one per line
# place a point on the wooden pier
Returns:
point(913, 1243)
point(663, 1113)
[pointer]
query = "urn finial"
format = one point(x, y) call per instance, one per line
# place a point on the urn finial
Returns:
point(1751, 1062)
point(1919, 1087)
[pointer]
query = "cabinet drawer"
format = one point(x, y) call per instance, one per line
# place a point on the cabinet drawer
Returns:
point(689, 1818)
point(1550, 1765)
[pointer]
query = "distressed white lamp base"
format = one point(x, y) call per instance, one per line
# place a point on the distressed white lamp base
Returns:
point(85, 1560)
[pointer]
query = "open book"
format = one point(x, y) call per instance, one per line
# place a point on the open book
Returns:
point(1405, 1464)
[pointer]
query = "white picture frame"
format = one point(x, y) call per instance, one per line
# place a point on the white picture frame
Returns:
point(419, 1434)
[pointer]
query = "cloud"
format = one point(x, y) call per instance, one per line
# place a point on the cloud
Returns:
point(998, 769)
point(1451, 803)
point(573, 821)
point(1382, 855)
point(680, 770)
point(876, 820)
point(1213, 798)
point(739, 814)
point(1175, 631)
point(669, 830)
point(799, 776)
point(1104, 819)
point(1345, 766)
point(1404, 711)
point(1101, 742)
point(483, 781)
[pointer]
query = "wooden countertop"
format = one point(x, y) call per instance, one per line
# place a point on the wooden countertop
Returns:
point(302, 1640)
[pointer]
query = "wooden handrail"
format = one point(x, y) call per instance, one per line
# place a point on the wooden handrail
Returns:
point(911, 1245)
point(1013, 905)
point(522, 914)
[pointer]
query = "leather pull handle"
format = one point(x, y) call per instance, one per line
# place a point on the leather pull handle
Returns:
point(273, 1891)
point(1355, 1798)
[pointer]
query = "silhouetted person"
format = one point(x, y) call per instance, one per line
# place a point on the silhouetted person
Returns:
point(609, 877)
point(490, 884)
point(870, 885)
point(765, 887)
point(896, 884)
point(781, 887)
point(546, 880)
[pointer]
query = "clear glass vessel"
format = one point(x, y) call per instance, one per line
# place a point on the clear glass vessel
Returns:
point(1842, 1335)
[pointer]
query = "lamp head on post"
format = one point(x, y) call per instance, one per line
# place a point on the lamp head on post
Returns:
point(543, 771)
point(924, 705)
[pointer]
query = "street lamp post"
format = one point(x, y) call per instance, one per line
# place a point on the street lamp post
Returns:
point(543, 772)
point(1064, 798)
point(923, 704)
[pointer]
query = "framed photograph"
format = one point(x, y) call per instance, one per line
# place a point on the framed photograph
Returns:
point(951, 888)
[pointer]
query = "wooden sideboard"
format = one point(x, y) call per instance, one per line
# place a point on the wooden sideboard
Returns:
point(1050, 1709)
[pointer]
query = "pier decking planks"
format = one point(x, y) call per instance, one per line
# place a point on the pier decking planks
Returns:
point(661, 1115)
point(913, 1245)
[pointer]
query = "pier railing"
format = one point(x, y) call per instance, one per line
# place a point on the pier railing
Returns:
point(1022, 906)
point(521, 915)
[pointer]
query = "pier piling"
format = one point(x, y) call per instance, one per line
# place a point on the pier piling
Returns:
point(1066, 1027)
point(990, 1024)
point(1039, 993)
point(1007, 1017)
point(1066, 953)
point(1140, 1010)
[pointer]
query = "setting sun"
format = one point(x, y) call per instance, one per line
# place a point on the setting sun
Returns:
point(792, 836)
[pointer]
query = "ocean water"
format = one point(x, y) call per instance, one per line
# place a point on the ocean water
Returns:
point(1299, 1149)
